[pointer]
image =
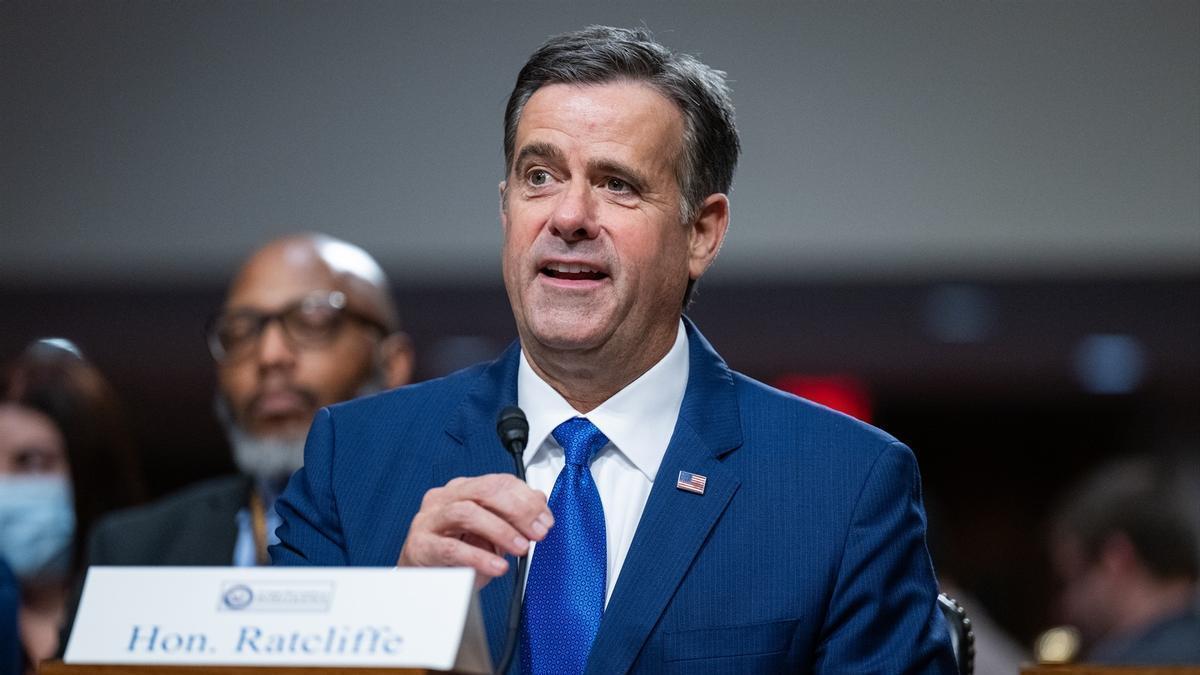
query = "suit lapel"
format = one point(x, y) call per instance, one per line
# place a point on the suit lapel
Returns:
point(675, 523)
point(474, 429)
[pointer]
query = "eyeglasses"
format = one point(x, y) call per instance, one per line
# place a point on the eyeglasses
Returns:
point(313, 321)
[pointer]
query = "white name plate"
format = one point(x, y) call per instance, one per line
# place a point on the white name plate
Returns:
point(280, 616)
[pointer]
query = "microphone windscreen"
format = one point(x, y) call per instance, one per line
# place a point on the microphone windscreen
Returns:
point(512, 426)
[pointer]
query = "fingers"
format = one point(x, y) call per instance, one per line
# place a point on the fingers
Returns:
point(472, 522)
point(451, 552)
point(468, 517)
point(505, 495)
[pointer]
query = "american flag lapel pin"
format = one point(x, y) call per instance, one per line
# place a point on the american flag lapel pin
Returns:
point(691, 482)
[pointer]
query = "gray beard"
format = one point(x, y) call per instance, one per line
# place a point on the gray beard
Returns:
point(272, 460)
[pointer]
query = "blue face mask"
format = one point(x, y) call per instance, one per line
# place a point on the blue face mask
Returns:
point(37, 524)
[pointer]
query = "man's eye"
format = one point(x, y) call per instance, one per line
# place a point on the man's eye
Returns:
point(236, 328)
point(618, 185)
point(538, 177)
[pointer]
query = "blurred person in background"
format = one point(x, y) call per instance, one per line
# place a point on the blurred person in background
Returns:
point(1128, 555)
point(308, 321)
point(65, 459)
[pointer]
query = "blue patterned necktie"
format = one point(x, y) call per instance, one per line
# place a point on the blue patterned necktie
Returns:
point(564, 593)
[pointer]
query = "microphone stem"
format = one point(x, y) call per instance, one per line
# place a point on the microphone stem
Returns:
point(517, 601)
point(518, 452)
point(514, 616)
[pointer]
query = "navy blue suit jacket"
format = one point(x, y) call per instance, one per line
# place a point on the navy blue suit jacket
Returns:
point(806, 552)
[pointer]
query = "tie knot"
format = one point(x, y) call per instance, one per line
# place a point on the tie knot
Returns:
point(580, 440)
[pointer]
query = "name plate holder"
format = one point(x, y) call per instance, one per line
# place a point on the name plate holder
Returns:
point(257, 621)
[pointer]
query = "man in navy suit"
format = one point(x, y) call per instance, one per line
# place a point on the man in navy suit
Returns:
point(698, 520)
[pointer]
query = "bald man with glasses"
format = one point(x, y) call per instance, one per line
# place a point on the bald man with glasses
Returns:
point(308, 322)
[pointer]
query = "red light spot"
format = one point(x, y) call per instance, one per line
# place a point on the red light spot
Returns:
point(841, 392)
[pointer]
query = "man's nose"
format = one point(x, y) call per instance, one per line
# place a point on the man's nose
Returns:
point(574, 215)
point(275, 350)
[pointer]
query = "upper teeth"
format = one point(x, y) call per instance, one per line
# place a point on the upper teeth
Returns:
point(569, 268)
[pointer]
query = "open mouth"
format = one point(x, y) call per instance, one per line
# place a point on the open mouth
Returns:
point(573, 272)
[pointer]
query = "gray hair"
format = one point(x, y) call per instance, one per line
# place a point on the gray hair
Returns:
point(601, 54)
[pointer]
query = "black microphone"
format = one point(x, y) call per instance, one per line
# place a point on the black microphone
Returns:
point(513, 430)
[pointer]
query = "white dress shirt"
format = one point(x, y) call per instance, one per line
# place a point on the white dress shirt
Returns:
point(638, 421)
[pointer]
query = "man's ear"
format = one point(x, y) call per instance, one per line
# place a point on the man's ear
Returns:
point(707, 233)
point(396, 359)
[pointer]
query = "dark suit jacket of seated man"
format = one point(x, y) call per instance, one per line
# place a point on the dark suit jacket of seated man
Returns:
point(804, 551)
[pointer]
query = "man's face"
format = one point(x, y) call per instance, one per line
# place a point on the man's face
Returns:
point(595, 253)
point(276, 386)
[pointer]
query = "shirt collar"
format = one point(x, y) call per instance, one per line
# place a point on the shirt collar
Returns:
point(638, 419)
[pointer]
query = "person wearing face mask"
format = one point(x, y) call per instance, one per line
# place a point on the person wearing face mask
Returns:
point(64, 460)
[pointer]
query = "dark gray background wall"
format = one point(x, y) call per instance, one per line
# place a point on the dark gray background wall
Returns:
point(147, 141)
